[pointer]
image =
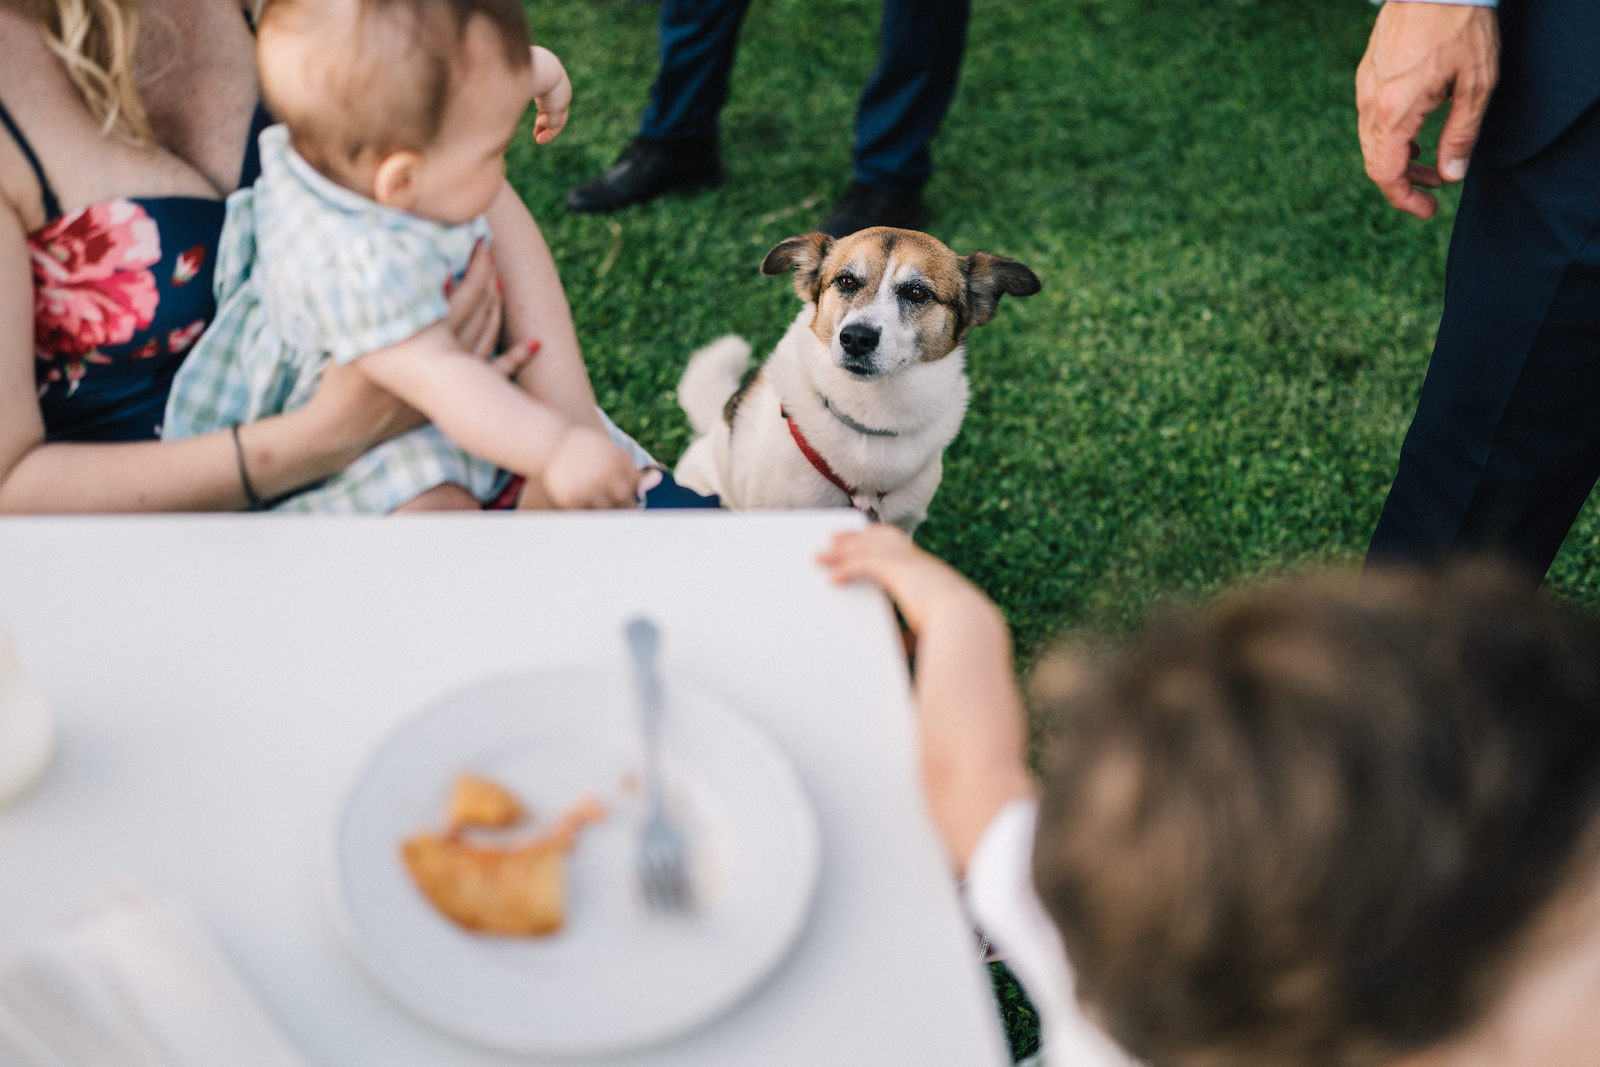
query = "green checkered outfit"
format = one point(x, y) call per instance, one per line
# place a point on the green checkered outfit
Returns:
point(309, 271)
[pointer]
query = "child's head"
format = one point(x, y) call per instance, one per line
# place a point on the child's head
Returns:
point(1335, 823)
point(409, 102)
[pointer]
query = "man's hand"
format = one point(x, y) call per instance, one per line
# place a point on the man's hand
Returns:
point(1420, 55)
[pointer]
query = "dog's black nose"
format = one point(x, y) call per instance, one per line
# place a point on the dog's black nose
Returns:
point(857, 339)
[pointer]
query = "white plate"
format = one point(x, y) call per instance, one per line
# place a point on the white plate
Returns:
point(618, 976)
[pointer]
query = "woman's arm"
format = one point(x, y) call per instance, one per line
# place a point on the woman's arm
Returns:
point(282, 453)
point(536, 308)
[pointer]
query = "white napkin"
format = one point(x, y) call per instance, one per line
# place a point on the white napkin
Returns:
point(134, 983)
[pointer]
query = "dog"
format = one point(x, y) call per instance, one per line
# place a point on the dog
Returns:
point(859, 399)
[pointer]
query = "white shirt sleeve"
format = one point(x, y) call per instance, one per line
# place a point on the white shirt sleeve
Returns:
point(1002, 901)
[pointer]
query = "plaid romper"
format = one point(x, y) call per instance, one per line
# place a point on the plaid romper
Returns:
point(309, 271)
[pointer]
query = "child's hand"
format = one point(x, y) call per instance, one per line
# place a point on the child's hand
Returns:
point(968, 708)
point(588, 470)
point(552, 92)
point(922, 585)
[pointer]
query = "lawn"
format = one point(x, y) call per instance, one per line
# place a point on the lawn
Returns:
point(1216, 378)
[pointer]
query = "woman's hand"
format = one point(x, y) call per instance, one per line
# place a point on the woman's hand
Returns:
point(476, 306)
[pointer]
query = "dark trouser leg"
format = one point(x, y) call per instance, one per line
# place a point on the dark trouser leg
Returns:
point(1505, 445)
point(698, 40)
point(921, 42)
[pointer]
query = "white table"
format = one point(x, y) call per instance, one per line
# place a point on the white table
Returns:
point(213, 673)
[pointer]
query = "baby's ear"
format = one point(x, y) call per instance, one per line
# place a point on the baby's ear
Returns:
point(395, 183)
point(803, 254)
point(988, 276)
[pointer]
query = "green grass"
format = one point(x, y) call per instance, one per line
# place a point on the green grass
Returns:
point(1216, 378)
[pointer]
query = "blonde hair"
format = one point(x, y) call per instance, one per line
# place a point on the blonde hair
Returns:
point(94, 40)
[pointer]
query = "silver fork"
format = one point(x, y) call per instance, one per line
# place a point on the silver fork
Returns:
point(663, 850)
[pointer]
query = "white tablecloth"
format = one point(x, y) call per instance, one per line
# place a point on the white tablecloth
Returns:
point(218, 680)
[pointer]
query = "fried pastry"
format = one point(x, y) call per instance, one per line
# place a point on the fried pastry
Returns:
point(516, 891)
point(479, 802)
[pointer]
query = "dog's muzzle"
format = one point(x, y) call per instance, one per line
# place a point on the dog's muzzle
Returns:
point(860, 343)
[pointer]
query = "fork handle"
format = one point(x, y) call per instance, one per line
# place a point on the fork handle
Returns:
point(644, 639)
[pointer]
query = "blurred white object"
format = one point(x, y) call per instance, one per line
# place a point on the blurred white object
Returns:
point(134, 983)
point(27, 733)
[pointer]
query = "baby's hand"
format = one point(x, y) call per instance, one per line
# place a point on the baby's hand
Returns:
point(590, 471)
point(552, 92)
point(921, 584)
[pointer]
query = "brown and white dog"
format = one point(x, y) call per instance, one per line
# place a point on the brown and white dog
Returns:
point(861, 396)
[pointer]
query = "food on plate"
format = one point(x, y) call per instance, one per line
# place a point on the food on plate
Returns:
point(517, 890)
point(479, 802)
point(584, 812)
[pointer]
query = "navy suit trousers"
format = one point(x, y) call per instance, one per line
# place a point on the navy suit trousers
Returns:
point(1505, 445)
point(920, 47)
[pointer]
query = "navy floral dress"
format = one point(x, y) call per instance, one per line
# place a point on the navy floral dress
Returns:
point(122, 289)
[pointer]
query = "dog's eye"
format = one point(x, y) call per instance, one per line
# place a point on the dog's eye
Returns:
point(916, 294)
point(847, 283)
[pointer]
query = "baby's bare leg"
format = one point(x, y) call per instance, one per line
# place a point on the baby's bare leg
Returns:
point(447, 497)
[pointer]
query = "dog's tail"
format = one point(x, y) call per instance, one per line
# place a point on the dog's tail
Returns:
point(712, 376)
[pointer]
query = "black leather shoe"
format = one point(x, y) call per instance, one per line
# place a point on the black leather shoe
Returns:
point(646, 170)
point(862, 206)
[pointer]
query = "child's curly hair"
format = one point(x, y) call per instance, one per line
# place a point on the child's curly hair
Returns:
point(1316, 826)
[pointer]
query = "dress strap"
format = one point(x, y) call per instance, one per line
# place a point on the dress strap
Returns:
point(52, 206)
point(251, 169)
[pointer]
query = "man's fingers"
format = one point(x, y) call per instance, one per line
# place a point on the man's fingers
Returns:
point(1470, 92)
point(1391, 170)
point(1413, 201)
point(1460, 133)
point(1424, 174)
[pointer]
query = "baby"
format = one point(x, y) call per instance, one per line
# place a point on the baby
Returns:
point(396, 117)
point(1330, 822)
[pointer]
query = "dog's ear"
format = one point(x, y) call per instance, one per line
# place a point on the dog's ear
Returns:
point(988, 276)
point(804, 255)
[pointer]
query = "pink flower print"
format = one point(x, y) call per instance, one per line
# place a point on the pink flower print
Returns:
point(188, 265)
point(148, 349)
point(184, 336)
point(91, 279)
point(68, 369)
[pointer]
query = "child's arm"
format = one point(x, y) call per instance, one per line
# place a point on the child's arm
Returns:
point(968, 706)
point(474, 405)
point(536, 308)
point(552, 93)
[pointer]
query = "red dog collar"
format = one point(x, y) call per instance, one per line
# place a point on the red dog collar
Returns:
point(813, 455)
